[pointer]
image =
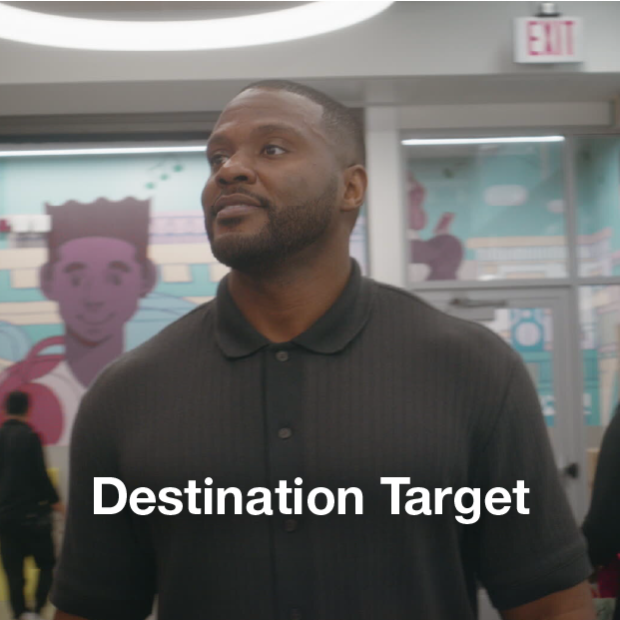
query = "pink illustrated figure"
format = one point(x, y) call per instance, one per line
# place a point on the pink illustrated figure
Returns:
point(97, 270)
point(442, 253)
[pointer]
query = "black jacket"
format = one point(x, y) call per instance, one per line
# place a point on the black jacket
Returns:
point(25, 488)
point(602, 525)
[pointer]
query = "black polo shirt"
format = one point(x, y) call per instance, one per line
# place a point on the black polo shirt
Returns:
point(382, 385)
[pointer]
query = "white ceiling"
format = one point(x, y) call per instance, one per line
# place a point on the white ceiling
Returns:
point(153, 11)
point(416, 54)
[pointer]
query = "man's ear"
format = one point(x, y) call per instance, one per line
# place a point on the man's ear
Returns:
point(355, 184)
point(46, 281)
point(149, 277)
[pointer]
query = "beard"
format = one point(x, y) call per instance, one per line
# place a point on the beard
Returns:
point(288, 230)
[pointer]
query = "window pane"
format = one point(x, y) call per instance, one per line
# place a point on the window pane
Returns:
point(485, 211)
point(598, 200)
point(529, 331)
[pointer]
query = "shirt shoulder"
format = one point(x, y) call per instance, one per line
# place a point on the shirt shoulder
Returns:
point(181, 335)
point(421, 325)
point(120, 385)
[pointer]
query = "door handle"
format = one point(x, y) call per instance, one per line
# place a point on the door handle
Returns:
point(571, 470)
point(465, 302)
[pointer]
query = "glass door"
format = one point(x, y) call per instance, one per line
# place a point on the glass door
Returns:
point(534, 322)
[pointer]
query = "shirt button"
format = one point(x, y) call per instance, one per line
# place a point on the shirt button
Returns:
point(282, 356)
point(295, 614)
point(290, 525)
point(285, 433)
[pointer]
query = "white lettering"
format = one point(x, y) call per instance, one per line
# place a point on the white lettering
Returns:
point(439, 495)
point(424, 500)
point(164, 496)
point(221, 500)
point(330, 502)
point(136, 498)
point(265, 501)
point(395, 483)
point(191, 490)
point(490, 500)
point(282, 492)
point(474, 510)
point(99, 509)
point(342, 500)
point(520, 492)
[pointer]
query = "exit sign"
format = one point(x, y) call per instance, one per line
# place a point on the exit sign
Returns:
point(548, 39)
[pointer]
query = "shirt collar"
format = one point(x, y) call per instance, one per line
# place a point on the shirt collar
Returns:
point(329, 334)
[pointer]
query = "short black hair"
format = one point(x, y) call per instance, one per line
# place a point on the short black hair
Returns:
point(17, 403)
point(341, 122)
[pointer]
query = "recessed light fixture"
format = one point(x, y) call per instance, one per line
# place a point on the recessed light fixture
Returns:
point(105, 151)
point(298, 22)
point(510, 140)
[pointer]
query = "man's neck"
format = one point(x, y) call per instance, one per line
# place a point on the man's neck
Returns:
point(286, 302)
point(19, 418)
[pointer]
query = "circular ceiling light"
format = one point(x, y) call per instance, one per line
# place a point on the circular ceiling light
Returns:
point(93, 34)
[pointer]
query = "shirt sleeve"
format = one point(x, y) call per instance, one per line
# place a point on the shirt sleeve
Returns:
point(524, 557)
point(104, 571)
point(42, 482)
point(602, 525)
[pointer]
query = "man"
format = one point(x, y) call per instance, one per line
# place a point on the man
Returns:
point(26, 499)
point(97, 270)
point(602, 524)
point(303, 372)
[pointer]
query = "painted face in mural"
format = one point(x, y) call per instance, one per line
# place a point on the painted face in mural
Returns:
point(274, 184)
point(97, 283)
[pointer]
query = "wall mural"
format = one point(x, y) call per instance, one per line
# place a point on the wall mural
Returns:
point(483, 212)
point(127, 254)
point(443, 252)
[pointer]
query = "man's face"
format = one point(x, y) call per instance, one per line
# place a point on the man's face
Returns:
point(97, 283)
point(274, 183)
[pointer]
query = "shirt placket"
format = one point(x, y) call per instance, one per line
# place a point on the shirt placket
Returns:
point(292, 562)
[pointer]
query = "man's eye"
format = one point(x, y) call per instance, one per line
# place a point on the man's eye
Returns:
point(76, 280)
point(217, 159)
point(272, 149)
point(115, 278)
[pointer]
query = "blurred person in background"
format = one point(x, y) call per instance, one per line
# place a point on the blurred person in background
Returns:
point(27, 498)
point(602, 524)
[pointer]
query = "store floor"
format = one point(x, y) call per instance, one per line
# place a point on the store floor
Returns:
point(6, 614)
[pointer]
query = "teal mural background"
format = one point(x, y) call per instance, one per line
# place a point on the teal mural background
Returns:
point(187, 272)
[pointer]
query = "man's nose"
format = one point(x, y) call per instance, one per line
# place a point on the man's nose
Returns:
point(236, 169)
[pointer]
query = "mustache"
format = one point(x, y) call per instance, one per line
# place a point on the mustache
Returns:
point(262, 202)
